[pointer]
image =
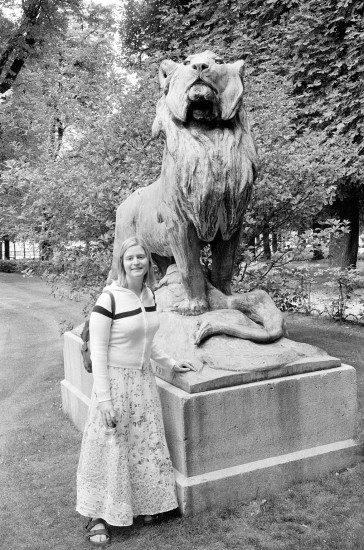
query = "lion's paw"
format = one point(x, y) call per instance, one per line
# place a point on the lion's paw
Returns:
point(193, 306)
point(204, 330)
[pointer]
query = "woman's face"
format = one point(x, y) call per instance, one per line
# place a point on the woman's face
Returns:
point(135, 263)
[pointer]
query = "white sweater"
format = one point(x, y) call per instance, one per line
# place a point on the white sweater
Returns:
point(126, 341)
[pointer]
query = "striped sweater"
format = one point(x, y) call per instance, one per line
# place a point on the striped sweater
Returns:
point(127, 341)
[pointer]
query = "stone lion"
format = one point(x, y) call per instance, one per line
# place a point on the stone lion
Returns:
point(208, 169)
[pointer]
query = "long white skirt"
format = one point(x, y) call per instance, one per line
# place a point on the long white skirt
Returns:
point(133, 475)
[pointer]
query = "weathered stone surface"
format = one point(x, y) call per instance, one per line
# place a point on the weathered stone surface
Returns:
point(77, 384)
point(234, 444)
point(256, 318)
point(232, 486)
point(223, 428)
point(226, 361)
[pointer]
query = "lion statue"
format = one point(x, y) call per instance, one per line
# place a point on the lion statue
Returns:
point(209, 166)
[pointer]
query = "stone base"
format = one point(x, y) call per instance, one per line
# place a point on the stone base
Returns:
point(232, 486)
point(77, 384)
point(230, 445)
point(234, 444)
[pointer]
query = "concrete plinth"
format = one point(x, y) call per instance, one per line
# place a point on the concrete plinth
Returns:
point(232, 444)
point(77, 384)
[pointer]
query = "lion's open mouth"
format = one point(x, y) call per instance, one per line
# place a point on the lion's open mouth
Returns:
point(202, 102)
point(202, 110)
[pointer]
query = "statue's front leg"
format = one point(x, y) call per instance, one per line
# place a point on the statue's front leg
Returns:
point(223, 257)
point(186, 248)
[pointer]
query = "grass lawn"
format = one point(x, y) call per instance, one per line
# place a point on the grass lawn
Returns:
point(39, 460)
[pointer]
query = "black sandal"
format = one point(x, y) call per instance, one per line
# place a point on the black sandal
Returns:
point(91, 533)
point(149, 520)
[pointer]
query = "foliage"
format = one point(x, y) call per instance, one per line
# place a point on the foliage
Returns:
point(144, 25)
point(328, 65)
point(8, 266)
point(344, 281)
point(62, 187)
point(292, 285)
point(27, 267)
point(297, 173)
point(39, 22)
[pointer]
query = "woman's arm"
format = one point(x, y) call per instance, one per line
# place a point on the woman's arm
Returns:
point(165, 360)
point(100, 324)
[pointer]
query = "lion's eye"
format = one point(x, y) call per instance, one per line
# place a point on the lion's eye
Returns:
point(186, 62)
point(219, 61)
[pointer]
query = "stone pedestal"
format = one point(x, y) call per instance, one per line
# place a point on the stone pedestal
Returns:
point(77, 383)
point(232, 444)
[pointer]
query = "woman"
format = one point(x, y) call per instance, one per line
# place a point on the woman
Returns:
point(129, 473)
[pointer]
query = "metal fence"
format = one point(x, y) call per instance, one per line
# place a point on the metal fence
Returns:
point(18, 250)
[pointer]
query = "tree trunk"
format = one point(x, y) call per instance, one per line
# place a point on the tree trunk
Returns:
point(252, 246)
point(45, 250)
point(274, 242)
point(20, 45)
point(267, 254)
point(344, 251)
point(317, 247)
point(7, 249)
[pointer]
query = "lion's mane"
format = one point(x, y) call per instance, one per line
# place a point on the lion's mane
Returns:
point(212, 170)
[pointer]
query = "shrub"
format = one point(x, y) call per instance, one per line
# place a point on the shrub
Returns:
point(9, 266)
point(26, 267)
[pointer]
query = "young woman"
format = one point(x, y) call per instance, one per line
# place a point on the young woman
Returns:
point(125, 469)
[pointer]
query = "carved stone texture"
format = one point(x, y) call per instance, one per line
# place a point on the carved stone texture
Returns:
point(238, 342)
point(224, 361)
point(208, 169)
point(256, 317)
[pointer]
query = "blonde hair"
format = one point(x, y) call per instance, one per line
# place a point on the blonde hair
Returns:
point(149, 277)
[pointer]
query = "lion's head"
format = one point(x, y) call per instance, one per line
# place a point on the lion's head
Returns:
point(203, 87)
point(210, 158)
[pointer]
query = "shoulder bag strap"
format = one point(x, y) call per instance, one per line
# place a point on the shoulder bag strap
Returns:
point(155, 301)
point(112, 302)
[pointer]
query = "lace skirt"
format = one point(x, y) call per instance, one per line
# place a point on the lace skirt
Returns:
point(132, 474)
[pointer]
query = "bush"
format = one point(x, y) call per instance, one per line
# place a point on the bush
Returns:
point(33, 267)
point(27, 267)
point(9, 266)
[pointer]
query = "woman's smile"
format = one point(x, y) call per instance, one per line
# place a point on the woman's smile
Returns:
point(135, 262)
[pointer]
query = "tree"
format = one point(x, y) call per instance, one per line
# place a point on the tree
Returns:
point(67, 192)
point(327, 75)
point(26, 38)
point(150, 25)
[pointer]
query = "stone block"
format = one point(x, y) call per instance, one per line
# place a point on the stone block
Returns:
point(230, 426)
point(234, 444)
point(77, 384)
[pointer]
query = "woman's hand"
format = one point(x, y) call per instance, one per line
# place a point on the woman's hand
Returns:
point(107, 413)
point(183, 366)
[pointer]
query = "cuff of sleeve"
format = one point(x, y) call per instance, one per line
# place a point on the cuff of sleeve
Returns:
point(102, 400)
point(103, 395)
